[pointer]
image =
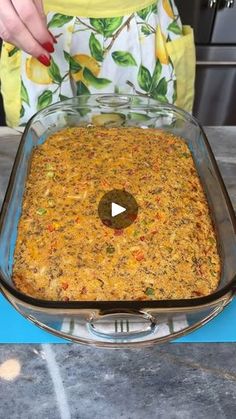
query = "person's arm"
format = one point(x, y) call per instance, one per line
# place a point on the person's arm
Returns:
point(23, 24)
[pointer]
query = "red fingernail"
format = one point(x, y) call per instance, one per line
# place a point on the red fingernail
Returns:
point(53, 37)
point(48, 46)
point(44, 60)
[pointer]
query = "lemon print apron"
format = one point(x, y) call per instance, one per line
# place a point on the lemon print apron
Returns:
point(137, 47)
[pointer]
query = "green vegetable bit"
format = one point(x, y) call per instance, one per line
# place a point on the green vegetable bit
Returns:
point(41, 211)
point(110, 249)
point(135, 233)
point(186, 155)
point(50, 174)
point(149, 291)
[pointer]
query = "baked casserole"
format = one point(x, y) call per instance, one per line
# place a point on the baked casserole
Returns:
point(65, 253)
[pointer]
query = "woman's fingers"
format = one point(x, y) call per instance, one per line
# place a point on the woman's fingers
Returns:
point(25, 41)
point(39, 6)
point(29, 15)
point(40, 9)
point(16, 25)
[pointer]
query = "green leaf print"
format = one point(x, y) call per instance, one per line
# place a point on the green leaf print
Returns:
point(136, 116)
point(95, 48)
point(59, 20)
point(62, 97)
point(137, 101)
point(106, 26)
point(159, 92)
point(144, 12)
point(22, 111)
point(161, 98)
point(146, 30)
point(161, 88)
point(144, 78)
point(111, 25)
point(54, 72)
point(24, 93)
point(156, 74)
point(82, 89)
point(45, 99)
point(174, 27)
point(73, 65)
point(98, 24)
point(154, 8)
point(96, 82)
point(67, 56)
point(13, 51)
point(123, 58)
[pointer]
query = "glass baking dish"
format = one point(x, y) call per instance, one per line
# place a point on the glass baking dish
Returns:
point(120, 323)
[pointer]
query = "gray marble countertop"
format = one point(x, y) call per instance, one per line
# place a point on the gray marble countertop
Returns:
point(170, 381)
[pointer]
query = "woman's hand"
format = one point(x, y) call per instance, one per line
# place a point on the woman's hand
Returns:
point(23, 24)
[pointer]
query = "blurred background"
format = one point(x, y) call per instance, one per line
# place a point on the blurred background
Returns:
point(214, 23)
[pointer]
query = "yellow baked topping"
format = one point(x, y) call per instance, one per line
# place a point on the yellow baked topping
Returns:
point(64, 251)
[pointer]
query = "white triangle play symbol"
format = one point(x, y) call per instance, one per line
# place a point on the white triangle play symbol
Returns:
point(116, 209)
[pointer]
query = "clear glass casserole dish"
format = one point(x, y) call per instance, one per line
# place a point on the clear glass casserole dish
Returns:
point(120, 323)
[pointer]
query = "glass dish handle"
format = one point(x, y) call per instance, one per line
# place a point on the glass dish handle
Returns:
point(122, 325)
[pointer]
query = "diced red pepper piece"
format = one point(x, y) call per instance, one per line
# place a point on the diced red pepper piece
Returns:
point(139, 256)
point(118, 232)
point(84, 290)
point(197, 293)
point(104, 183)
point(50, 228)
point(107, 222)
point(131, 217)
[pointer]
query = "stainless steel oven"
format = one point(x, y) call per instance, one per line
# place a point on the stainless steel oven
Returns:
point(214, 23)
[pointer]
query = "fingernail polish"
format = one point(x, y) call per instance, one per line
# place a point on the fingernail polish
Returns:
point(48, 46)
point(44, 60)
point(53, 37)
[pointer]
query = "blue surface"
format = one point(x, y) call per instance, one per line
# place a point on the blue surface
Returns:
point(14, 328)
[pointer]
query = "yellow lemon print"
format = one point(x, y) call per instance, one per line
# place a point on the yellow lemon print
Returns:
point(161, 52)
point(37, 72)
point(9, 47)
point(168, 9)
point(85, 61)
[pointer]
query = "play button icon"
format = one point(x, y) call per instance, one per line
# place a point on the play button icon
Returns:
point(118, 209)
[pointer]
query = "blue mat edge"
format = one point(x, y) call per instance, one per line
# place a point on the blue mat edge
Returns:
point(14, 328)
